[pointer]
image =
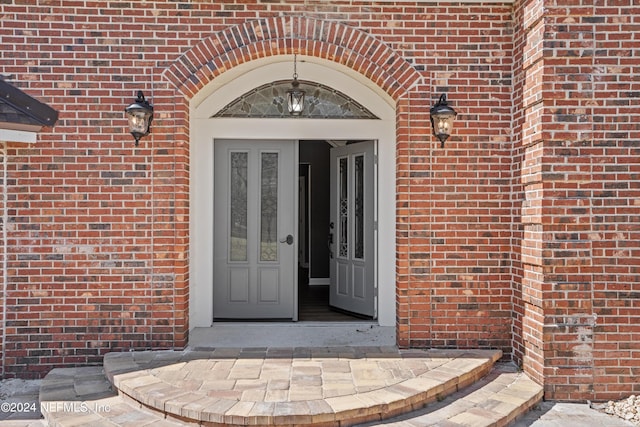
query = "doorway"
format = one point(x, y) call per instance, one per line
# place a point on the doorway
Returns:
point(206, 130)
point(255, 274)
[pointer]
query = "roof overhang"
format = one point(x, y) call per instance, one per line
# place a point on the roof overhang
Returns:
point(21, 115)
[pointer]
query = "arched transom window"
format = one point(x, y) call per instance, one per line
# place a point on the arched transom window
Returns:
point(270, 101)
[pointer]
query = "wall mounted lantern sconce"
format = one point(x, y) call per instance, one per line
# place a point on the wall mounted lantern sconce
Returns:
point(139, 115)
point(442, 119)
point(295, 95)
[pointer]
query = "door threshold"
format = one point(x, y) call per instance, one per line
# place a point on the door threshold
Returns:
point(293, 334)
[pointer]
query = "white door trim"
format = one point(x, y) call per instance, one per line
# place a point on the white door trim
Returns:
point(204, 130)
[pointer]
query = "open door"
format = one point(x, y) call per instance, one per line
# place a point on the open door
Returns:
point(255, 222)
point(352, 229)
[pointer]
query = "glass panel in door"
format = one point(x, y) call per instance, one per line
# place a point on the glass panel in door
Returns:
point(238, 206)
point(269, 207)
point(343, 223)
point(358, 214)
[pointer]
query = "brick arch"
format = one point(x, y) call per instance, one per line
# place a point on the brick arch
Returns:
point(287, 35)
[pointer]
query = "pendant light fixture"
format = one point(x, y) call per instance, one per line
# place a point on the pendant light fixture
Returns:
point(295, 95)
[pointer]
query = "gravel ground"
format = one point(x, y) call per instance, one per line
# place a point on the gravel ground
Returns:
point(628, 409)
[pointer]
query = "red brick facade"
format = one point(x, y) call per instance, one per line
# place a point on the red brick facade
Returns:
point(577, 149)
point(521, 234)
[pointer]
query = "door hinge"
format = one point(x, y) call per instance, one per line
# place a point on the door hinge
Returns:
point(375, 159)
point(375, 225)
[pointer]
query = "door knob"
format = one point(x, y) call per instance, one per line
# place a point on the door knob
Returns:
point(288, 240)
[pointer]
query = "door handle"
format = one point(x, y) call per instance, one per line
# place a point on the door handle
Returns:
point(288, 240)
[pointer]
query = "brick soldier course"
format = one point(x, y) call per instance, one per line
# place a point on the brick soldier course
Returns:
point(521, 234)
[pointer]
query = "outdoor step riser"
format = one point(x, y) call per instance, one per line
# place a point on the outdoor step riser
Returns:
point(496, 400)
point(65, 420)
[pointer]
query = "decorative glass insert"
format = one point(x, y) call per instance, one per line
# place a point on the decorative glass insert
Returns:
point(343, 222)
point(238, 206)
point(358, 214)
point(269, 207)
point(270, 101)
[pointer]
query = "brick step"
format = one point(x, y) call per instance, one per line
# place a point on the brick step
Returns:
point(496, 400)
point(243, 388)
point(312, 386)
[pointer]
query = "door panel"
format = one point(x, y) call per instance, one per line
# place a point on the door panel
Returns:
point(254, 212)
point(239, 285)
point(269, 289)
point(352, 270)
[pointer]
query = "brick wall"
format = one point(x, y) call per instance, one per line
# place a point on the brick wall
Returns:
point(521, 234)
point(97, 247)
point(615, 197)
point(593, 153)
point(459, 214)
point(580, 164)
point(528, 269)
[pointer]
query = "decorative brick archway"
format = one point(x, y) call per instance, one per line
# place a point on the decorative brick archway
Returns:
point(288, 35)
point(327, 40)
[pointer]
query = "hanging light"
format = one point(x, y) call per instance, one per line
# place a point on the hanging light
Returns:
point(442, 119)
point(140, 115)
point(295, 95)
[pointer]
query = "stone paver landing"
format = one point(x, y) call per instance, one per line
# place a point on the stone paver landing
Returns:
point(325, 387)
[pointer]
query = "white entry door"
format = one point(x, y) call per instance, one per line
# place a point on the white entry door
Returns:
point(254, 229)
point(352, 270)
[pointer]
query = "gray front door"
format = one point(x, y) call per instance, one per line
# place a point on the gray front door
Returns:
point(352, 266)
point(254, 229)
